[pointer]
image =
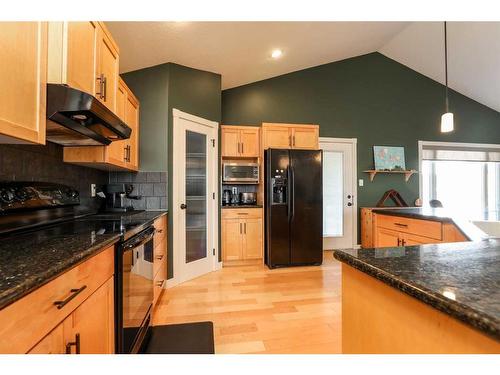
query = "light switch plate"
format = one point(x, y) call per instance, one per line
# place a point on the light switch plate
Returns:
point(92, 190)
point(361, 182)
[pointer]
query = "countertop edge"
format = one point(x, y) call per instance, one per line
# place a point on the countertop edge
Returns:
point(14, 296)
point(467, 315)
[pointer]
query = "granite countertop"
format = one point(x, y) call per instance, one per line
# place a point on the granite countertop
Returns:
point(468, 229)
point(28, 261)
point(459, 279)
point(242, 206)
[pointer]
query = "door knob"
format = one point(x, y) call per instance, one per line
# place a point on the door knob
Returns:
point(183, 206)
point(349, 204)
point(349, 197)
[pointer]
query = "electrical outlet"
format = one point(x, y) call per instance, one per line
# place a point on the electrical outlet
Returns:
point(361, 182)
point(92, 190)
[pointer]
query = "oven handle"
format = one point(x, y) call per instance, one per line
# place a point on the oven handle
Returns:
point(140, 239)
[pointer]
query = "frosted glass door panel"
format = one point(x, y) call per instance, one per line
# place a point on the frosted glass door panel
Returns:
point(333, 194)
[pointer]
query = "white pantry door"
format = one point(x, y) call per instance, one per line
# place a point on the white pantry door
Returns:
point(339, 190)
point(195, 196)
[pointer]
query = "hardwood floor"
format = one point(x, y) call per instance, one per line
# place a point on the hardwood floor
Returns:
point(257, 310)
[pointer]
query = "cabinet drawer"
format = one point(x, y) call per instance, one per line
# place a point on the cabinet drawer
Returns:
point(241, 213)
point(160, 255)
point(31, 318)
point(426, 228)
point(159, 280)
point(160, 225)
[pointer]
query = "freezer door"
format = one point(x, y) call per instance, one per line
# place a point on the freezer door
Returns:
point(306, 199)
point(277, 213)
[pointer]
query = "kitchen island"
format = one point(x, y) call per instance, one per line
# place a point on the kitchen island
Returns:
point(437, 298)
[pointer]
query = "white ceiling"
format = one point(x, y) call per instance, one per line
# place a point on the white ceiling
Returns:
point(240, 51)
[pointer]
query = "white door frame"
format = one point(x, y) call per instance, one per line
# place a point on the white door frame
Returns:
point(177, 200)
point(354, 143)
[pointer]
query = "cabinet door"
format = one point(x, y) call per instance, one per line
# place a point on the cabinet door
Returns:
point(92, 323)
point(23, 78)
point(81, 55)
point(249, 139)
point(412, 239)
point(387, 238)
point(107, 70)
point(53, 343)
point(305, 138)
point(232, 230)
point(277, 137)
point(230, 142)
point(116, 151)
point(132, 120)
point(252, 230)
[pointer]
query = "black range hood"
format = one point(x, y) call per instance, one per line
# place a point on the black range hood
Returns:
point(76, 118)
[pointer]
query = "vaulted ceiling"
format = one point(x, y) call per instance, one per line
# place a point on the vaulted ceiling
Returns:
point(240, 51)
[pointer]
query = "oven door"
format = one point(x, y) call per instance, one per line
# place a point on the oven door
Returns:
point(136, 290)
point(241, 173)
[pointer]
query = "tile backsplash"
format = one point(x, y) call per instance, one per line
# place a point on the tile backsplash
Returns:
point(45, 163)
point(152, 186)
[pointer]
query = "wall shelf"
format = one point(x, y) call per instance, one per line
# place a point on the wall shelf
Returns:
point(373, 172)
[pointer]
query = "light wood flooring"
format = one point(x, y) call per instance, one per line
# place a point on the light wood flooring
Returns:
point(257, 310)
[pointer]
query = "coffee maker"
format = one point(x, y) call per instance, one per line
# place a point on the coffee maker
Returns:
point(115, 197)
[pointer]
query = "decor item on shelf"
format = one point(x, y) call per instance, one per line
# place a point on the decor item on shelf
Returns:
point(389, 158)
point(447, 118)
point(394, 196)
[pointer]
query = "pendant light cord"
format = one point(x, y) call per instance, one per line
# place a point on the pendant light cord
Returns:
point(446, 65)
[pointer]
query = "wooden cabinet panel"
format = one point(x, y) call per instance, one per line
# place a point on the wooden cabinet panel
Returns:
point(249, 139)
point(252, 229)
point(132, 120)
point(427, 228)
point(305, 138)
point(230, 141)
point(23, 78)
point(53, 343)
point(81, 53)
point(241, 213)
point(277, 137)
point(106, 69)
point(386, 238)
point(232, 230)
point(413, 239)
point(93, 322)
point(159, 281)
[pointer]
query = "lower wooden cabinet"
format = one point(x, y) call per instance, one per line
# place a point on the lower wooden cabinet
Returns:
point(87, 330)
point(160, 257)
point(242, 234)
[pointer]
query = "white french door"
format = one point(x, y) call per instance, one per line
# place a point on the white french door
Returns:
point(194, 196)
point(339, 193)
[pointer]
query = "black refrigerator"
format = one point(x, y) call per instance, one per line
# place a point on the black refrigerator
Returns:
point(293, 207)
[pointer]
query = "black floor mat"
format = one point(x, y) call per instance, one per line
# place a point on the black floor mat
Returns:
point(189, 338)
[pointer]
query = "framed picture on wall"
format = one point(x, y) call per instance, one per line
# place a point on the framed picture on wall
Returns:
point(389, 158)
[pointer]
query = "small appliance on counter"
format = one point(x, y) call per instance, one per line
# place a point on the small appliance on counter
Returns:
point(227, 197)
point(115, 197)
point(248, 198)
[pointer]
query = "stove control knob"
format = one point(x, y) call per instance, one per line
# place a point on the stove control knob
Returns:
point(21, 194)
point(6, 195)
point(72, 194)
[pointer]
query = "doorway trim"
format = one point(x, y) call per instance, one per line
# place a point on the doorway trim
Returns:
point(176, 200)
point(354, 143)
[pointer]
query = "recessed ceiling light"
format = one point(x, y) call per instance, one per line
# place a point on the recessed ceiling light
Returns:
point(276, 53)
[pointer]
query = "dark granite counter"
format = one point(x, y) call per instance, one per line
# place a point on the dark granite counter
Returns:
point(28, 261)
point(459, 279)
point(468, 229)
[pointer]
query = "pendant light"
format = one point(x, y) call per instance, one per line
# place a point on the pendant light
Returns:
point(446, 118)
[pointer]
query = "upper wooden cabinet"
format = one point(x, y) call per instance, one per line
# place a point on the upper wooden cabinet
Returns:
point(23, 78)
point(119, 155)
point(106, 68)
point(293, 136)
point(240, 141)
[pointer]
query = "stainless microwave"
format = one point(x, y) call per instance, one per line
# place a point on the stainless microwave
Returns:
point(240, 173)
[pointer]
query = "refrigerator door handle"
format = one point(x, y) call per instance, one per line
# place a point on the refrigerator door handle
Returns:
point(291, 187)
point(289, 203)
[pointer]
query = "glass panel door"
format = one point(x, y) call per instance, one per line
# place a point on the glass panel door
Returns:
point(333, 194)
point(196, 196)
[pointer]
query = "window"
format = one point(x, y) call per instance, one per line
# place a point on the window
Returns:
point(463, 178)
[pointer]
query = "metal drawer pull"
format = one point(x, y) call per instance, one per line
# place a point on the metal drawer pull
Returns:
point(401, 225)
point(160, 283)
point(159, 257)
point(242, 213)
point(242, 148)
point(159, 230)
point(101, 79)
point(240, 229)
point(245, 226)
point(76, 343)
point(74, 293)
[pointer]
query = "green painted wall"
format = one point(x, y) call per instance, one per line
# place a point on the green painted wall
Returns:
point(371, 98)
point(160, 89)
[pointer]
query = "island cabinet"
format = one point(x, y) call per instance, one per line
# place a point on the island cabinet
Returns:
point(240, 141)
point(119, 155)
point(84, 55)
point(242, 235)
point(160, 257)
point(23, 78)
point(74, 313)
point(393, 231)
point(290, 136)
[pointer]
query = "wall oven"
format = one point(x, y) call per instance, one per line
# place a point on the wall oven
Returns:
point(134, 291)
point(240, 173)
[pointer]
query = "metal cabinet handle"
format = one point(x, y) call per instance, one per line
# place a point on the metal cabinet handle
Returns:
point(403, 242)
point(104, 87)
point(129, 148)
point(293, 141)
point(242, 213)
point(242, 148)
point(401, 225)
point(290, 140)
point(160, 283)
point(159, 230)
point(245, 226)
point(74, 293)
point(240, 229)
point(101, 79)
point(159, 257)
point(398, 241)
point(125, 156)
point(76, 343)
